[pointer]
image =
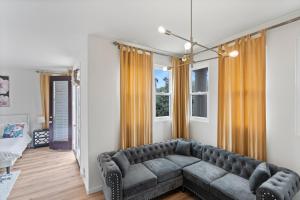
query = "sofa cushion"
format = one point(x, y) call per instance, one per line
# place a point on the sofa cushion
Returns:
point(203, 173)
point(231, 187)
point(163, 168)
point(259, 176)
point(137, 179)
point(182, 160)
point(183, 148)
point(122, 162)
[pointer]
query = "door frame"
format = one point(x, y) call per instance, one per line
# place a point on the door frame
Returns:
point(63, 145)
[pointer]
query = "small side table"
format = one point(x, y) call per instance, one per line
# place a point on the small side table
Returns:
point(40, 138)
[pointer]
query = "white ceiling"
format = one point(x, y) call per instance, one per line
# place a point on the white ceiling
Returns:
point(43, 33)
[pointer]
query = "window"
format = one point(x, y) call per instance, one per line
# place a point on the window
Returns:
point(199, 91)
point(162, 80)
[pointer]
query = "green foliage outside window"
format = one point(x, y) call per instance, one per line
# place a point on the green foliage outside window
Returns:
point(162, 89)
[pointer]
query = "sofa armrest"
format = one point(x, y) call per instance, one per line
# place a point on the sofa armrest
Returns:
point(111, 176)
point(282, 186)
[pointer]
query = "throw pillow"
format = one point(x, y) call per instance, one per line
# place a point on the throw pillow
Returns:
point(13, 130)
point(183, 148)
point(259, 176)
point(122, 162)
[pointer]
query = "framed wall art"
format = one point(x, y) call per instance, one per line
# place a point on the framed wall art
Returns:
point(4, 91)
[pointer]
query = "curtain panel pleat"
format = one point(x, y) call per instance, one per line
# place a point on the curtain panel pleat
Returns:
point(45, 90)
point(136, 97)
point(180, 99)
point(242, 98)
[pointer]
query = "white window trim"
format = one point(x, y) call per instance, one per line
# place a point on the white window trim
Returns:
point(164, 118)
point(195, 118)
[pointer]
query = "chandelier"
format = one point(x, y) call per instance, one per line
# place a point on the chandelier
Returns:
point(190, 44)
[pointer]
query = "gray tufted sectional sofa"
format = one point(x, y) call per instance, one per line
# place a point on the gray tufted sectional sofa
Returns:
point(209, 172)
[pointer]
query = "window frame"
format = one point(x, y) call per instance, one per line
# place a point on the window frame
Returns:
point(197, 67)
point(162, 118)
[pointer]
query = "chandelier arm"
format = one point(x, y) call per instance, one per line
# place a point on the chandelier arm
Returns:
point(191, 53)
point(191, 38)
point(180, 37)
point(194, 43)
point(197, 61)
point(191, 20)
point(207, 48)
point(207, 59)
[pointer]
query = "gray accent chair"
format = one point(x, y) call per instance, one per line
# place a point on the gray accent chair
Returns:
point(210, 173)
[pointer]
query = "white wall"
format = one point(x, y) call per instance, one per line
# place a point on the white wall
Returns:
point(104, 106)
point(83, 160)
point(283, 144)
point(161, 130)
point(25, 95)
point(103, 103)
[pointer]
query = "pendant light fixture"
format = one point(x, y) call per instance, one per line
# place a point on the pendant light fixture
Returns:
point(190, 43)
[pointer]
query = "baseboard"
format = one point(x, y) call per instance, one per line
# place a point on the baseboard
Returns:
point(94, 189)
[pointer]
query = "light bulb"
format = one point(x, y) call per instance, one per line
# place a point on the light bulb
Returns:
point(233, 54)
point(187, 46)
point(161, 29)
point(165, 69)
point(183, 58)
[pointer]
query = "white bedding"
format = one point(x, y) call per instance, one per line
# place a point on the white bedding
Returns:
point(12, 148)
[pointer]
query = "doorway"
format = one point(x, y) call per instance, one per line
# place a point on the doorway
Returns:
point(60, 113)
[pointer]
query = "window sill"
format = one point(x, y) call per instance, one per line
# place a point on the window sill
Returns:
point(161, 119)
point(199, 119)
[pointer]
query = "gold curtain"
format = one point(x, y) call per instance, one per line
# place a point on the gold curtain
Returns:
point(242, 98)
point(136, 97)
point(180, 99)
point(45, 89)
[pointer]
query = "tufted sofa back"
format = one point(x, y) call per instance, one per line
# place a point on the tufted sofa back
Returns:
point(148, 152)
point(231, 162)
point(197, 149)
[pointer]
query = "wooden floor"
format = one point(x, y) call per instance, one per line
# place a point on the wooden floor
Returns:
point(54, 175)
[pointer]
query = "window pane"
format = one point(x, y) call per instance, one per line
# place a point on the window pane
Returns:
point(200, 80)
point(199, 106)
point(162, 105)
point(162, 80)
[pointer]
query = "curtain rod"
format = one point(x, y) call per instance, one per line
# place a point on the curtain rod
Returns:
point(254, 33)
point(144, 48)
point(52, 72)
point(118, 45)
